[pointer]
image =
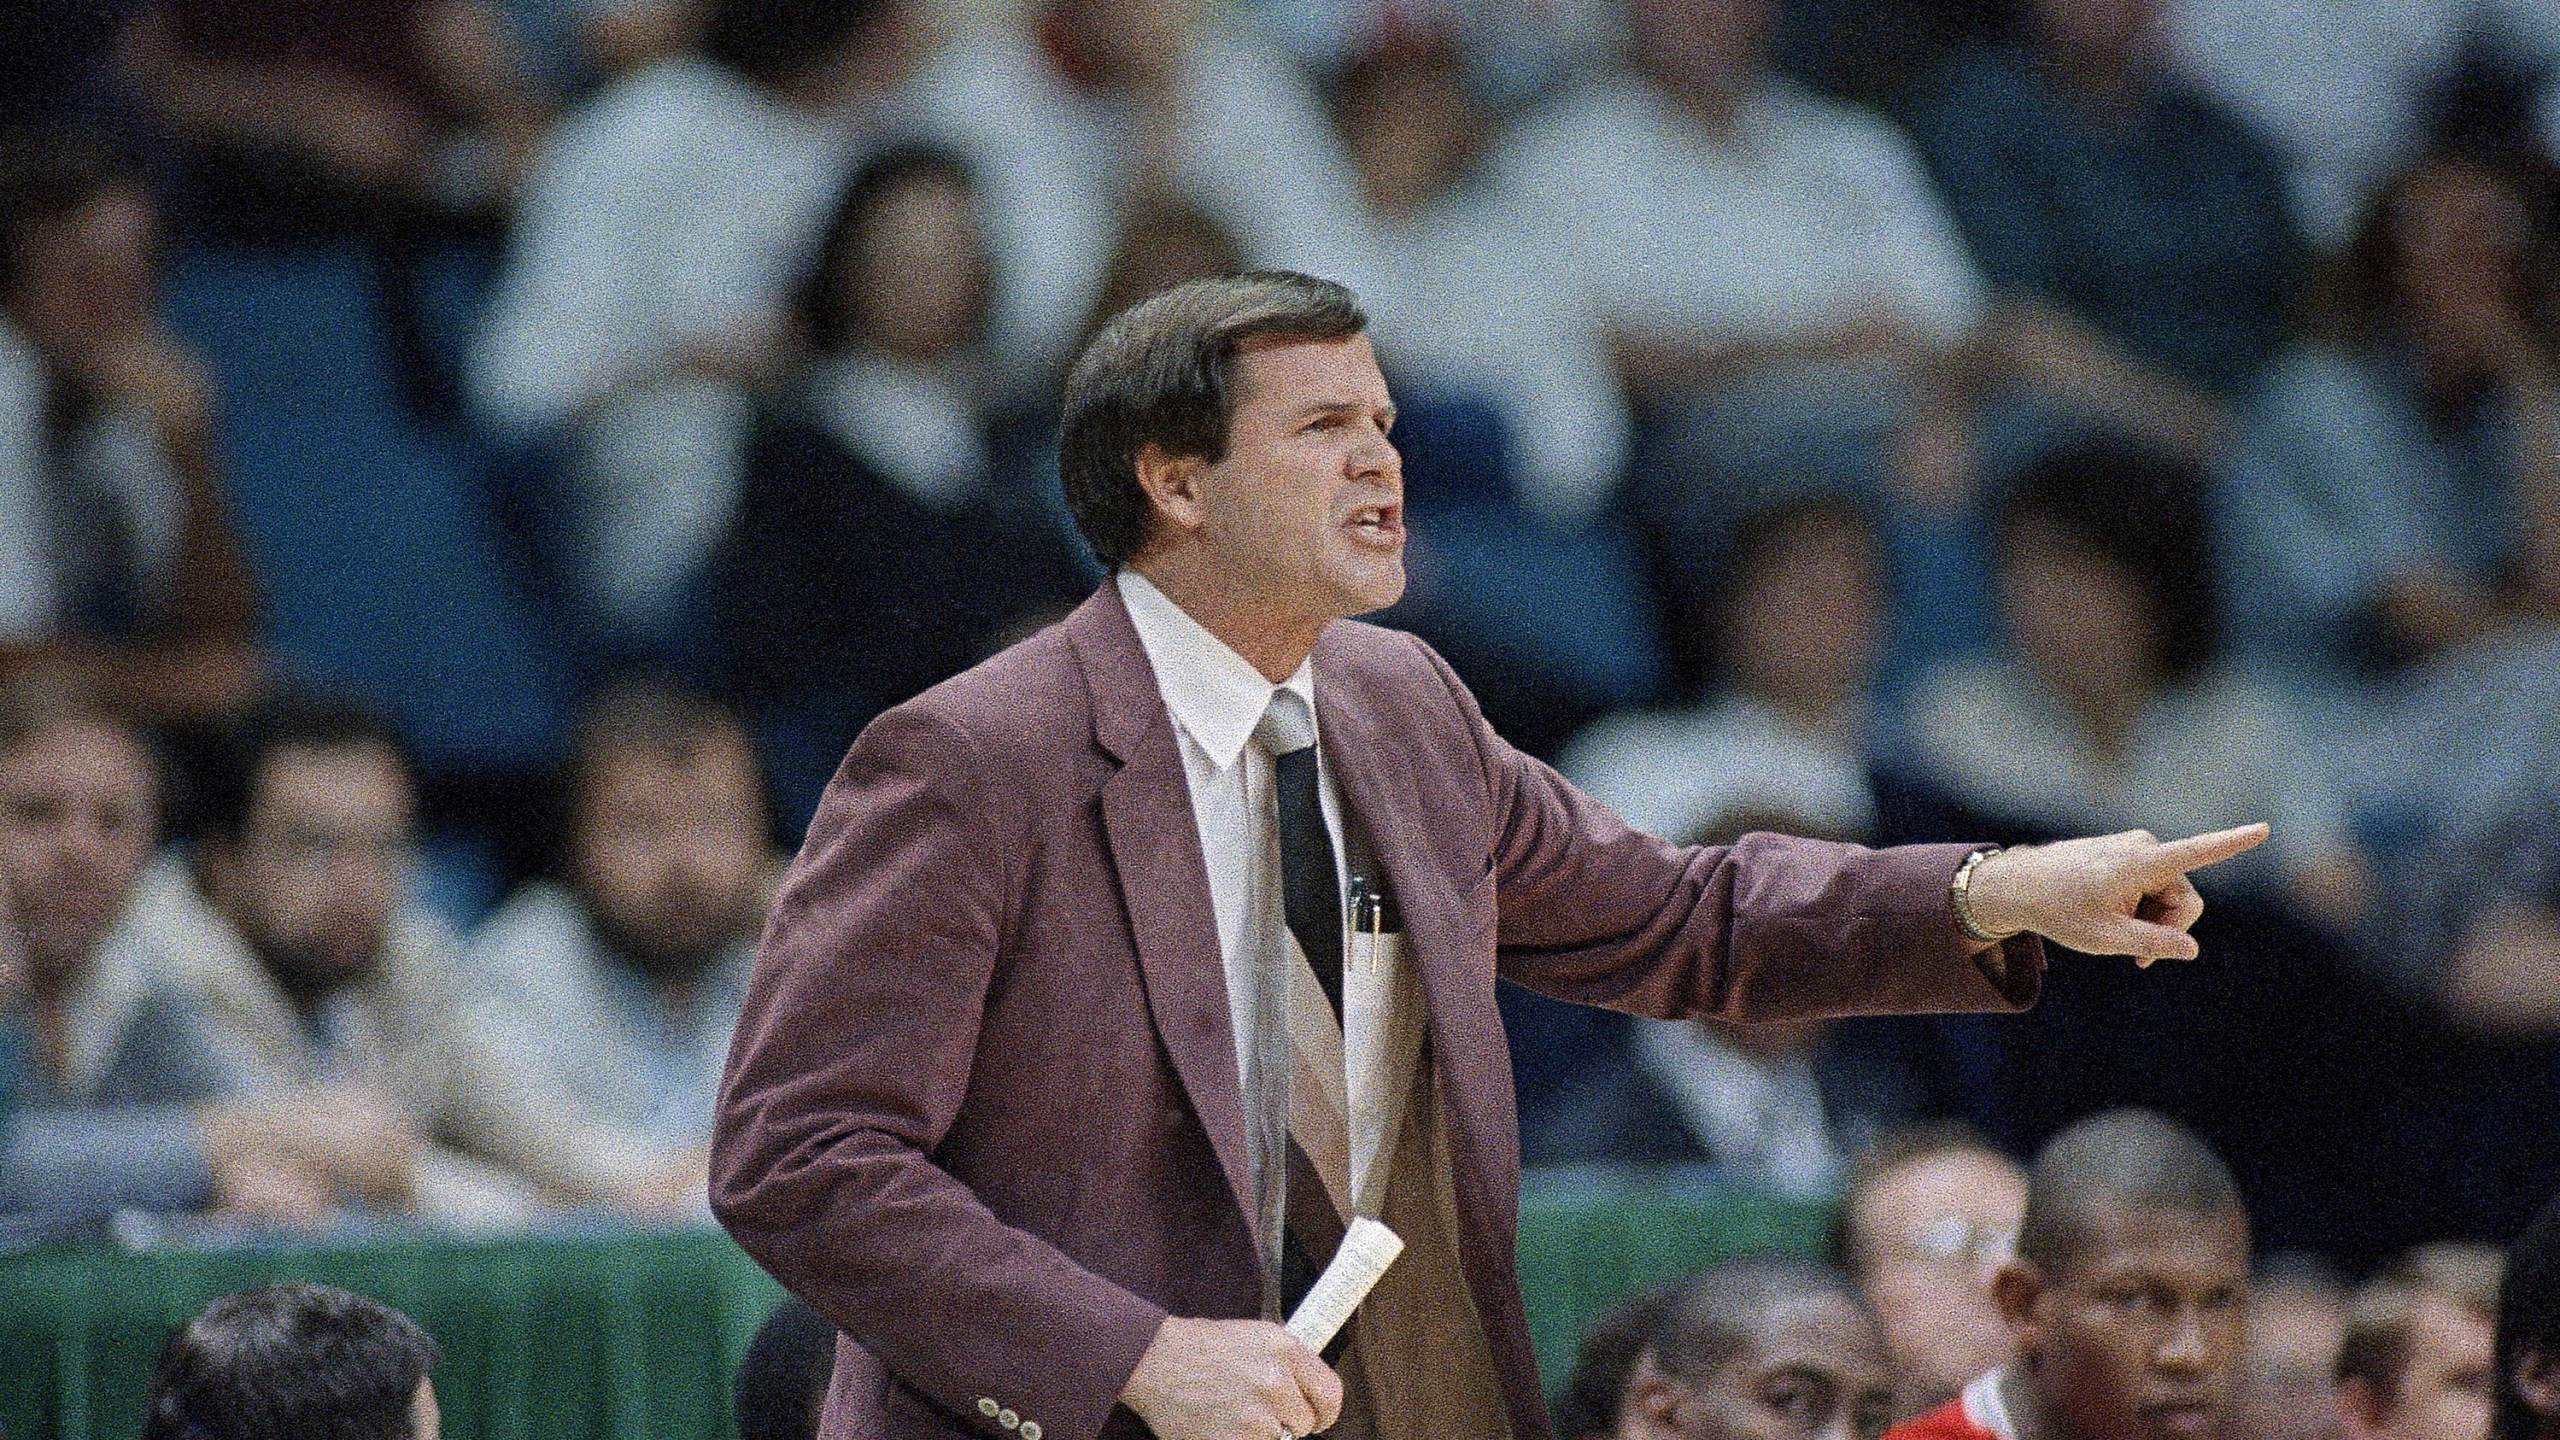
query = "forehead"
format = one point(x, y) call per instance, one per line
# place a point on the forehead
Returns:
point(714, 759)
point(78, 752)
point(1282, 373)
point(1967, 1183)
point(1822, 1333)
point(2113, 1241)
point(360, 775)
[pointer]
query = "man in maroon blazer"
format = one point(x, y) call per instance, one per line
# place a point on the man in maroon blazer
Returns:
point(985, 1110)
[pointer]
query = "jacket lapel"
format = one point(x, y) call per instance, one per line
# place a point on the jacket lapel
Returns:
point(1164, 882)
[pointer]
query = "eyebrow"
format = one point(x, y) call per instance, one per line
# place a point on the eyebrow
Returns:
point(1346, 407)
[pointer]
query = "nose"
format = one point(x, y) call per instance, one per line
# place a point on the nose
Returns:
point(1377, 460)
point(2182, 1349)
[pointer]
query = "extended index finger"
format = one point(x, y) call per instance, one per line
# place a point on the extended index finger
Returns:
point(2198, 851)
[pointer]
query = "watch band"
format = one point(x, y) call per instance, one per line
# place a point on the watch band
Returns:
point(1961, 892)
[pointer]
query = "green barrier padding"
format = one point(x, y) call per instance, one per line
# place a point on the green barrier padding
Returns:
point(634, 1335)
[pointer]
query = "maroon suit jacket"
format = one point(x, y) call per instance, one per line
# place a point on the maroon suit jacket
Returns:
point(982, 1111)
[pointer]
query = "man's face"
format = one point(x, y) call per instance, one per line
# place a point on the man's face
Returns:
point(2136, 1338)
point(1306, 513)
point(78, 818)
point(320, 866)
point(669, 848)
point(2444, 1390)
point(1816, 1371)
point(1928, 1237)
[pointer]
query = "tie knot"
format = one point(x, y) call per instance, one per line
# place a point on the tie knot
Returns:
point(1287, 726)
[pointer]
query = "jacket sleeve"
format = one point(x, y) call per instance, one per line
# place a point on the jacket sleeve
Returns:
point(1770, 927)
point(850, 1062)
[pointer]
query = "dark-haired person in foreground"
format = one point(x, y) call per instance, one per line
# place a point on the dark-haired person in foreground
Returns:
point(987, 1110)
point(1760, 1348)
point(2127, 1299)
point(295, 1362)
point(1605, 1361)
point(2528, 1338)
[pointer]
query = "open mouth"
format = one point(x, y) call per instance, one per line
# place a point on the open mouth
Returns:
point(1377, 524)
point(2184, 1417)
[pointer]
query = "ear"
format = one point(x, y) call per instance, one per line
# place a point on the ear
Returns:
point(1172, 483)
point(2018, 1288)
point(2360, 1408)
point(1651, 1410)
point(2537, 1379)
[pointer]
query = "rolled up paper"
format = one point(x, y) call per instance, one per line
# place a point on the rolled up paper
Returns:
point(1368, 1248)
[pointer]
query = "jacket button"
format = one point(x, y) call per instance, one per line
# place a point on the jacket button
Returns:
point(1009, 1420)
point(987, 1407)
point(1030, 1430)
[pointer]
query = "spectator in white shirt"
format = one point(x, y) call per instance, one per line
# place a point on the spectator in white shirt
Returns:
point(660, 234)
point(1732, 222)
point(624, 979)
point(1071, 113)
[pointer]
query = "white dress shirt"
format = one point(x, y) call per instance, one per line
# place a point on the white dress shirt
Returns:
point(1216, 697)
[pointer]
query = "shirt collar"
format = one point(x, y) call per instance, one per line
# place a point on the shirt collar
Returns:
point(1214, 694)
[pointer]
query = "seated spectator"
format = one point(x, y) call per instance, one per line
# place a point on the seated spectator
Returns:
point(1927, 1217)
point(880, 547)
point(1595, 1394)
point(2417, 1361)
point(2527, 1344)
point(2138, 234)
point(1728, 222)
point(2386, 484)
point(117, 557)
point(2284, 1387)
point(1077, 109)
point(1764, 1345)
point(2109, 710)
point(303, 957)
point(390, 134)
point(648, 285)
point(622, 982)
point(294, 1361)
point(1792, 638)
point(1771, 270)
point(2128, 1297)
point(124, 1099)
point(781, 1387)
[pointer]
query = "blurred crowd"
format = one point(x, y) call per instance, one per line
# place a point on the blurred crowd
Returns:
point(469, 467)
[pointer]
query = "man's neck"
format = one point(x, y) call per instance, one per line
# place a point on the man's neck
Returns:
point(2024, 1400)
point(1275, 645)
